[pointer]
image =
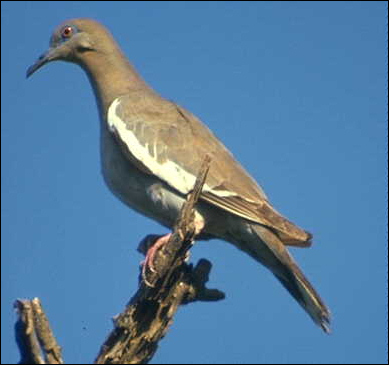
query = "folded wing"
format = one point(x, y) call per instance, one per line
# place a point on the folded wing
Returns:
point(165, 140)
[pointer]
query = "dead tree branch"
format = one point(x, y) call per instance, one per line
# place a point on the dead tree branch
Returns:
point(148, 315)
point(35, 339)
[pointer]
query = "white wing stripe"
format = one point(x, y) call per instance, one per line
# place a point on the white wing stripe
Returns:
point(168, 171)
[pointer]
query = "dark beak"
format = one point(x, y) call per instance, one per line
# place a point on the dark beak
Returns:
point(48, 56)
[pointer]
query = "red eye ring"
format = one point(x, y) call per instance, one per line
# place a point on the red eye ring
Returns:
point(67, 32)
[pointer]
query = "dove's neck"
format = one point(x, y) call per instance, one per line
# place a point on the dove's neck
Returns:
point(111, 75)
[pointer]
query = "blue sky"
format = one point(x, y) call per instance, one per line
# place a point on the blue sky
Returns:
point(297, 90)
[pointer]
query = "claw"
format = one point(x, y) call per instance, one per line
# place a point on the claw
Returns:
point(149, 259)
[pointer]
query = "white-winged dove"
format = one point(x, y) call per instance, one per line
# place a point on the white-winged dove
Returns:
point(152, 149)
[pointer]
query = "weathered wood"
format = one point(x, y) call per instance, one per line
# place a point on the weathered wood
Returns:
point(150, 312)
point(35, 339)
point(147, 317)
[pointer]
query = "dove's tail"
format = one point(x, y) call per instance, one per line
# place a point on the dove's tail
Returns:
point(272, 253)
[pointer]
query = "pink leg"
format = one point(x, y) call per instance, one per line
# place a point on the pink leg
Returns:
point(149, 260)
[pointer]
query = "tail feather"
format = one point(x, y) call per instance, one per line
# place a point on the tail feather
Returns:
point(307, 297)
point(273, 254)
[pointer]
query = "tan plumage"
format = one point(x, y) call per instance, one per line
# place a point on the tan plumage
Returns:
point(158, 121)
point(152, 150)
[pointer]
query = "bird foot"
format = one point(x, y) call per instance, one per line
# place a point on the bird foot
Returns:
point(149, 259)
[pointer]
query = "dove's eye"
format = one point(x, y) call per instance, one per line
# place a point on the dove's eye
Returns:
point(67, 32)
